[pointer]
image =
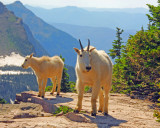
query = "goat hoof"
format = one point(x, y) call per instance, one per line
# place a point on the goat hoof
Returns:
point(106, 114)
point(76, 111)
point(93, 114)
point(42, 96)
point(99, 111)
point(57, 94)
point(51, 93)
point(39, 96)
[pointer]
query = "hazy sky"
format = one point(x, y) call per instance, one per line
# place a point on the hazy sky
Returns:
point(87, 3)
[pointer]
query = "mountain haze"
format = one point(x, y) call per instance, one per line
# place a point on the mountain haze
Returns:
point(39, 50)
point(54, 41)
point(124, 10)
point(100, 37)
point(79, 16)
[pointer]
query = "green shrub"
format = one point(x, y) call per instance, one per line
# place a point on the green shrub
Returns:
point(157, 114)
point(87, 89)
point(48, 89)
point(2, 101)
point(72, 86)
point(64, 109)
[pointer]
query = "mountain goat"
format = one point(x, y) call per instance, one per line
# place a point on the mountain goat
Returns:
point(45, 67)
point(93, 68)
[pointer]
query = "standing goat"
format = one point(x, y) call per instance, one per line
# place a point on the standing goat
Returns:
point(46, 67)
point(93, 68)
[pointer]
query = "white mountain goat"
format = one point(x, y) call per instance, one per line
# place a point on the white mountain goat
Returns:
point(46, 67)
point(93, 68)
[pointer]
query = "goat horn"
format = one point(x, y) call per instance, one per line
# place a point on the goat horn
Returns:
point(88, 45)
point(81, 45)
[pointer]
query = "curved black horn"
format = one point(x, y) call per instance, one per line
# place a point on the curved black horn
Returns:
point(81, 45)
point(88, 45)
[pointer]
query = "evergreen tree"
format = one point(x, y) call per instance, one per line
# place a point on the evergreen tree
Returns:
point(142, 29)
point(149, 26)
point(65, 86)
point(143, 50)
point(138, 69)
point(117, 45)
point(154, 17)
point(116, 53)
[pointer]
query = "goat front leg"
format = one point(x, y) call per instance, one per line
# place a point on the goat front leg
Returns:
point(95, 93)
point(80, 90)
point(43, 87)
point(39, 80)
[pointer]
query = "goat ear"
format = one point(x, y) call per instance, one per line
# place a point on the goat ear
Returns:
point(92, 49)
point(77, 50)
point(31, 55)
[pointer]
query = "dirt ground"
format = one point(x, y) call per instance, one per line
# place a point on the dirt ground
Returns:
point(124, 112)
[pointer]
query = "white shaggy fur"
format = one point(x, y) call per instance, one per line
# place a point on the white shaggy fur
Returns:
point(99, 77)
point(45, 67)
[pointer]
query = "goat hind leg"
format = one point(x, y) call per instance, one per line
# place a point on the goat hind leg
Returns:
point(106, 98)
point(54, 81)
point(59, 77)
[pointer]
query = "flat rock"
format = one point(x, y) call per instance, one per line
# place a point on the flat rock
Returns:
point(36, 112)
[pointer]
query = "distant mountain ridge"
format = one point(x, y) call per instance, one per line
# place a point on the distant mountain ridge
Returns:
point(100, 37)
point(54, 41)
point(80, 16)
point(13, 37)
point(124, 10)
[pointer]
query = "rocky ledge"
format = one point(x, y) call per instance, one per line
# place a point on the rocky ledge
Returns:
point(49, 103)
point(36, 112)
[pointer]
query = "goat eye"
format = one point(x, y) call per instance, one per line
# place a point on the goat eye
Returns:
point(80, 55)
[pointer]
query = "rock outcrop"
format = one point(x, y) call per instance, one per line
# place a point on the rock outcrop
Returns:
point(123, 112)
point(49, 103)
